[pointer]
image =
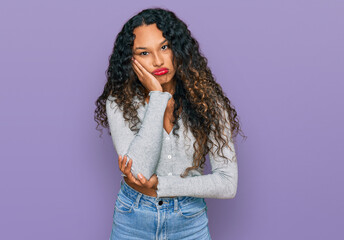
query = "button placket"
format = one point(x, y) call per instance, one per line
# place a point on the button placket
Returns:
point(169, 156)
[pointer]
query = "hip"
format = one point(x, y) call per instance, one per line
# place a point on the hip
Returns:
point(137, 215)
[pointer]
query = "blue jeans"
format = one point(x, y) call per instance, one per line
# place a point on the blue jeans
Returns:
point(139, 216)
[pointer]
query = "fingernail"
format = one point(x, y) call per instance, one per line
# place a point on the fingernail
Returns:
point(140, 176)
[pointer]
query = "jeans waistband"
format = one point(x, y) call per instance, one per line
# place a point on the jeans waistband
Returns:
point(136, 196)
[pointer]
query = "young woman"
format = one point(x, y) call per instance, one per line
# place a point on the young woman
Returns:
point(165, 113)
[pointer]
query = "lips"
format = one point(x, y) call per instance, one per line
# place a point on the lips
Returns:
point(160, 71)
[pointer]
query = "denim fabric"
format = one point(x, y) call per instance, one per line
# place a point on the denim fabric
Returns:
point(139, 216)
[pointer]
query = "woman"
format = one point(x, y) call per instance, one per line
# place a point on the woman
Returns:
point(159, 85)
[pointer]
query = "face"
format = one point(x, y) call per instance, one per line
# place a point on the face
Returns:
point(151, 50)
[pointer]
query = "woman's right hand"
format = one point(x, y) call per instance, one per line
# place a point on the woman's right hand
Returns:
point(125, 168)
point(147, 79)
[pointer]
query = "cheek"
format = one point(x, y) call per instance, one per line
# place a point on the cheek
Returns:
point(144, 63)
point(171, 63)
point(174, 64)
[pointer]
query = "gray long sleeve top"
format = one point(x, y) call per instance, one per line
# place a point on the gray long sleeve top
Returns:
point(153, 150)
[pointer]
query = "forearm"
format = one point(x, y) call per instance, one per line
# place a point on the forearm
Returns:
point(145, 148)
point(214, 185)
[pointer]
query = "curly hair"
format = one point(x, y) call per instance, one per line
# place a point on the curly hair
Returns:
point(205, 108)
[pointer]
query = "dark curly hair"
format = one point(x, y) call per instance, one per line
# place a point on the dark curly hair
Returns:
point(205, 108)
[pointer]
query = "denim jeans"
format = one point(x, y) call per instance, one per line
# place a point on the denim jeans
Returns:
point(139, 216)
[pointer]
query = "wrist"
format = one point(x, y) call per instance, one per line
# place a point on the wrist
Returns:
point(156, 89)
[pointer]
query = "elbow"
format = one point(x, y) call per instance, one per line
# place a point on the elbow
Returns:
point(233, 191)
point(146, 174)
point(230, 187)
point(230, 191)
point(137, 168)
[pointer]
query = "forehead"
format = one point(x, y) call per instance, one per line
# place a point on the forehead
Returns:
point(147, 35)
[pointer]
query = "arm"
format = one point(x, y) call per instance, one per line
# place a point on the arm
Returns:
point(221, 183)
point(144, 147)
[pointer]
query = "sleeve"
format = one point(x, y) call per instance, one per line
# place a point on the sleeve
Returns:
point(143, 147)
point(221, 183)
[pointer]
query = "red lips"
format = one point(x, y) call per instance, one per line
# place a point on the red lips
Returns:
point(160, 71)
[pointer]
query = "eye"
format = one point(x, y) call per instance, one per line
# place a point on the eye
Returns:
point(142, 53)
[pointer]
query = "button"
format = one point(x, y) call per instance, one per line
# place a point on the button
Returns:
point(160, 202)
point(167, 138)
point(169, 156)
point(169, 173)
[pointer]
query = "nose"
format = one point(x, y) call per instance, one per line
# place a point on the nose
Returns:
point(158, 60)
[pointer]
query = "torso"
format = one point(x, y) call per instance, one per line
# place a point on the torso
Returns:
point(168, 116)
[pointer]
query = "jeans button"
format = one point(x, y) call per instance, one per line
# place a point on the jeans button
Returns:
point(160, 202)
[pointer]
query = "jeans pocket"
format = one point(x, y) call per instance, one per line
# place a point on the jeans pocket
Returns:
point(123, 204)
point(193, 209)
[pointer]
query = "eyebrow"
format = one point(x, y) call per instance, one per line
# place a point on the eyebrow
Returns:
point(146, 48)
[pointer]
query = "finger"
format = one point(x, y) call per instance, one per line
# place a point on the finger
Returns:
point(129, 174)
point(136, 68)
point(140, 67)
point(119, 160)
point(138, 73)
point(134, 180)
point(153, 181)
point(142, 179)
point(127, 169)
point(123, 163)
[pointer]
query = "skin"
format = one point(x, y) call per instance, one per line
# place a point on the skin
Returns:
point(151, 55)
point(150, 52)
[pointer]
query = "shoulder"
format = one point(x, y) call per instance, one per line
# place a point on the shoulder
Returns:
point(111, 98)
point(111, 103)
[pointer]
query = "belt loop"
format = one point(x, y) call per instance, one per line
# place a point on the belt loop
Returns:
point(136, 204)
point(175, 204)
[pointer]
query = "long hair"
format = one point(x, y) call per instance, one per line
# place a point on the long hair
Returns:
point(205, 108)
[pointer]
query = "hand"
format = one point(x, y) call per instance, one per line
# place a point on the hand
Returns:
point(146, 78)
point(126, 169)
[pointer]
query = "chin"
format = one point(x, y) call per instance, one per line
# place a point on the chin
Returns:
point(164, 82)
point(163, 79)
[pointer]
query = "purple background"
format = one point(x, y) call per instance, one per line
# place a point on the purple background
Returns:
point(280, 62)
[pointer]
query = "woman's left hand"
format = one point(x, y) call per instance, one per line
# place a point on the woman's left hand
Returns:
point(143, 182)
